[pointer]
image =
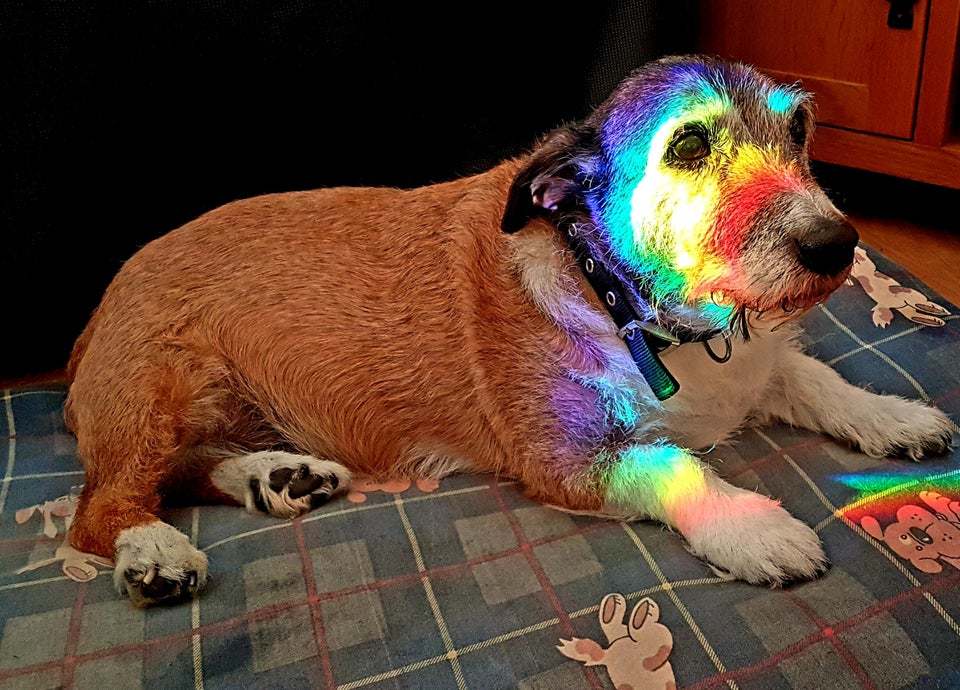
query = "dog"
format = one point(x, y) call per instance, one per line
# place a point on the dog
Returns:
point(262, 353)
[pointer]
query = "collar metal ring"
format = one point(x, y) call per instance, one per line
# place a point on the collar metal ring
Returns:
point(727, 350)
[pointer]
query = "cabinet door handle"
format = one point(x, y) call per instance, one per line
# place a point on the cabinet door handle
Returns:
point(900, 15)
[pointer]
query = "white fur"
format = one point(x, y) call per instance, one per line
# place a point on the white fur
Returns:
point(433, 461)
point(155, 549)
point(767, 378)
point(807, 393)
point(233, 475)
point(750, 536)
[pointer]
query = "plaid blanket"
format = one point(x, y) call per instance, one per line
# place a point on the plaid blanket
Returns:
point(468, 584)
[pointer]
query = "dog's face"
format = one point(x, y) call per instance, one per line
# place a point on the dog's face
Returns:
point(695, 173)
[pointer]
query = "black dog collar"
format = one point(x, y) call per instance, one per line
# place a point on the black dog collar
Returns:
point(644, 340)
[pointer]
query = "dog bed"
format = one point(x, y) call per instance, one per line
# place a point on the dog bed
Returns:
point(464, 583)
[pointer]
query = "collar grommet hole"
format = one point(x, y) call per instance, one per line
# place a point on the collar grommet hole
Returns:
point(611, 299)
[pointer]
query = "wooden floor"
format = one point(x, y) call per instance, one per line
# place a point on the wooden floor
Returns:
point(915, 225)
point(930, 253)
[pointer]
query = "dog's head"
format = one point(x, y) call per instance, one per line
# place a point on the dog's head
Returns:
point(695, 174)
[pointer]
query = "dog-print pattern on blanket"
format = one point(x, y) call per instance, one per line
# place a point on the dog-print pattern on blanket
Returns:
point(360, 487)
point(923, 535)
point(638, 646)
point(891, 296)
point(76, 565)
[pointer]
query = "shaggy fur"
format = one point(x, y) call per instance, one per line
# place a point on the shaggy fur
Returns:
point(380, 329)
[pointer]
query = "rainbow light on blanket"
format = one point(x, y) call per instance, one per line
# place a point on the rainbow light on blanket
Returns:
point(881, 496)
point(683, 228)
point(882, 489)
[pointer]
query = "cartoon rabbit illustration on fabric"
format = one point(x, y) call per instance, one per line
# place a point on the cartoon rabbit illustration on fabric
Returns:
point(891, 296)
point(638, 647)
point(76, 565)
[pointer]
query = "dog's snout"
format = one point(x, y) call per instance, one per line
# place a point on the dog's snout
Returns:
point(826, 247)
point(921, 536)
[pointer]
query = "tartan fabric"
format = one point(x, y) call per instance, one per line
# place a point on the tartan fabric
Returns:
point(472, 585)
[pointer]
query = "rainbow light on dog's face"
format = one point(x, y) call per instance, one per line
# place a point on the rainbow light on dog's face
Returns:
point(684, 226)
point(781, 101)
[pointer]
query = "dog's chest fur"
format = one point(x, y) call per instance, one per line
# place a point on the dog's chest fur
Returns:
point(714, 400)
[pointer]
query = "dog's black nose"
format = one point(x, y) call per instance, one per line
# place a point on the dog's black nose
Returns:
point(920, 535)
point(826, 247)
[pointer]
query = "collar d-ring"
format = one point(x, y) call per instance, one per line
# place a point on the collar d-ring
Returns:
point(727, 350)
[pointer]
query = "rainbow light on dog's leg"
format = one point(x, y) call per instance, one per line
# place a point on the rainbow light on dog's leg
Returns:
point(652, 475)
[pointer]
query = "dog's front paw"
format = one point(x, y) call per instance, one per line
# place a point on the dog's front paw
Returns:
point(157, 564)
point(751, 538)
point(279, 483)
point(902, 428)
point(287, 485)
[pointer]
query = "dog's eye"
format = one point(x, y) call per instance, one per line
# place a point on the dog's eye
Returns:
point(691, 146)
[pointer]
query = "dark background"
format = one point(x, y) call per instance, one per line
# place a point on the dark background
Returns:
point(121, 121)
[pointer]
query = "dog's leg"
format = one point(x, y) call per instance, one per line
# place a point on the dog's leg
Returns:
point(741, 532)
point(807, 393)
point(154, 562)
point(135, 428)
point(279, 483)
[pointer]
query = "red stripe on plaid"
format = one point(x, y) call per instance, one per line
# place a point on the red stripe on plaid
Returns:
point(73, 638)
point(949, 395)
point(829, 634)
point(319, 634)
point(273, 610)
point(566, 625)
point(911, 594)
point(775, 455)
point(442, 571)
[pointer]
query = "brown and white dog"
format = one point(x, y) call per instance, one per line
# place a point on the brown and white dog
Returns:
point(263, 352)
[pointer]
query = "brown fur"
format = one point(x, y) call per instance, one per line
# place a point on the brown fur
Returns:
point(353, 324)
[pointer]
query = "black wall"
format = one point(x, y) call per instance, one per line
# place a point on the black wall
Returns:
point(122, 121)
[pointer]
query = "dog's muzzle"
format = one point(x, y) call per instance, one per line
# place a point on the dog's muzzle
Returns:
point(826, 246)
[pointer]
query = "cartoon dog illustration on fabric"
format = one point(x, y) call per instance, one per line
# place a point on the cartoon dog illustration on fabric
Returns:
point(923, 537)
point(891, 296)
point(637, 650)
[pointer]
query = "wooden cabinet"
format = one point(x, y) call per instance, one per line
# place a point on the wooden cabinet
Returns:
point(884, 95)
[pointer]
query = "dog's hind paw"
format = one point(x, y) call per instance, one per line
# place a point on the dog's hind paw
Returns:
point(755, 540)
point(904, 429)
point(279, 483)
point(157, 564)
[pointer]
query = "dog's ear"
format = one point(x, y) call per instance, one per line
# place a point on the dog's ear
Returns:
point(548, 182)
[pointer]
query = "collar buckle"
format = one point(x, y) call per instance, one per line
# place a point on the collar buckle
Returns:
point(629, 330)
